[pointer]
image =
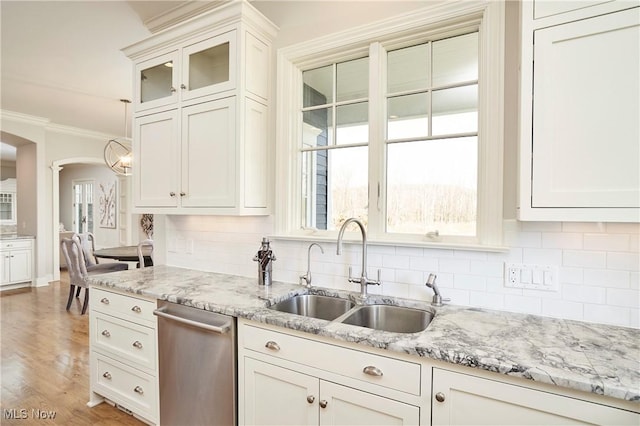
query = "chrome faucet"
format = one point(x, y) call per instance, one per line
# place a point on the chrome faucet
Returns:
point(363, 280)
point(307, 277)
point(437, 297)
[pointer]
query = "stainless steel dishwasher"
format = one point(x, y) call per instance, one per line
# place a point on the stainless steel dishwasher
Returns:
point(197, 360)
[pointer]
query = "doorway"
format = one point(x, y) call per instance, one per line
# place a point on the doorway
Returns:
point(83, 206)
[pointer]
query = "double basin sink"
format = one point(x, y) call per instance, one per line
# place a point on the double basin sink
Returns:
point(391, 318)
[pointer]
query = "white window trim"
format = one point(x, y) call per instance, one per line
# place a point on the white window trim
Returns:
point(450, 17)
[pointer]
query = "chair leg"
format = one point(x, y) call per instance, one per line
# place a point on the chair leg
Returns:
point(78, 291)
point(71, 291)
point(86, 301)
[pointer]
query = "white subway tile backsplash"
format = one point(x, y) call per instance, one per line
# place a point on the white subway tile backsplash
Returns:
point(582, 294)
point(563, 240)
point(626, 261)
point(542, 256)
point(584, 259)
point(606, 242)
point(605, 314)
point(523, 304)
point(598, 264)
point(456, 266)
point(562, 309)
point(607, 278)
point(620, 297)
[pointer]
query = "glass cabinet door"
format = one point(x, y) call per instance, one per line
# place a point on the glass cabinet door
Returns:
point(156, 81)
point(209, 66)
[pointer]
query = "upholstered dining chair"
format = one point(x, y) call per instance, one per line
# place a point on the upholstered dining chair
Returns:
point(79, 271)
point(141, 260)
point(87, 242)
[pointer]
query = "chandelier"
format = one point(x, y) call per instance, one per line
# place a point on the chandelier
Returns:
point(117, 152)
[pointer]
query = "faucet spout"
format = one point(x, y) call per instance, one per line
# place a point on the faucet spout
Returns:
point(307, 277)
point(363, 280)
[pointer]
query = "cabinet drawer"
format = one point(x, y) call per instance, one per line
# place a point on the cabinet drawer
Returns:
point(125, 307)
point(400, 375)
point(15, 244)
point(126, 386)
point(124, 339)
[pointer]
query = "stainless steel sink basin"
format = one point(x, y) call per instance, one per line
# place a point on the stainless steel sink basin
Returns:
point(396, 319)
point(315, 306)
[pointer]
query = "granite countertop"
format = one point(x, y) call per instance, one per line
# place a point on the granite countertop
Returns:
point(16, 237)
point(595, 358)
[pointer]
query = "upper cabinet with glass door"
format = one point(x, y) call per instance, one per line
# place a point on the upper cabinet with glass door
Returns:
point(205, 66)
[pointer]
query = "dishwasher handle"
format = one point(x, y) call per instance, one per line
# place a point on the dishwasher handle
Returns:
point(160, 312)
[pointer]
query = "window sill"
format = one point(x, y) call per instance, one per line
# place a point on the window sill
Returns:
point(395, 243)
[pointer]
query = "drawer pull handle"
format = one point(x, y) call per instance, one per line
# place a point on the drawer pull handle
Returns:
point(104, 300)
point(310, 399)
point(440, 397)
point(136, 309)
point(272, 345)
point(107, 375)
point(323, 403)
point(137, 344)
point(372, 371)
point(138, 390)
point(106, 333)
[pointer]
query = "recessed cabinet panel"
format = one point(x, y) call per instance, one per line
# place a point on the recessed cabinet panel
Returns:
point(256, 74)
point(586, 108)
point(256, 155)
point(462, 399)
point(209, 154)
point(156, 169)
point(545, 8)
point(156, 81)
point(209, 66)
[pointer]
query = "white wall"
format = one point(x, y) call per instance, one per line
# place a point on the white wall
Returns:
point(7, 169)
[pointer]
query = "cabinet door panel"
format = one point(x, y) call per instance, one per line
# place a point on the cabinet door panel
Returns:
point(209, 66)
point(277, 396)
point(256, 176)
point(209, 154)
point(473, 400)
point(5, 267)
point(156, 81)
point(347, 406)
point(156, 160)
point(20, 269)
point(585, 119)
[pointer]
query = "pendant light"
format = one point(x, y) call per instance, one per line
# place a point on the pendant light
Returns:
point(117, 152)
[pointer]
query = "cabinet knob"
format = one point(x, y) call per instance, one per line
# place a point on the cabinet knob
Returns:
point(107, 375)
point(372, 371)
point(173, 89)
point(136, 309)
point(104, 300)
point(272, 345)
point(182, 86)
point(106, 333)
point(138, 390)
point(172, 194)
point(182, 193)
point(440, 397)
point(310, 399)
point(323, 403)
point(137, 344)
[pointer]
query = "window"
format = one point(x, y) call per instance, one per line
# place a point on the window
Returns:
point(82, 206)
point(401, 130)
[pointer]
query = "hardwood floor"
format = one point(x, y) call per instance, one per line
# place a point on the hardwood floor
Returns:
point(44, 356)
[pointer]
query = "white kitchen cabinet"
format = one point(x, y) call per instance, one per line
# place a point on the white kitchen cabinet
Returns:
point(202, 141)
point(124, 353)
point(16, 265)
point(580, 94)
point(286, 379)
point(462, 399)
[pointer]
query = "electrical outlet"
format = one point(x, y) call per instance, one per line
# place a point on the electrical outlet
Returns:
point(530, 276)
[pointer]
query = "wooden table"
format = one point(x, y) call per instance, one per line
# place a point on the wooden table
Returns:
point(125, 254)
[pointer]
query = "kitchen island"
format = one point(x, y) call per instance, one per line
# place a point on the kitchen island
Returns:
point(591, 358)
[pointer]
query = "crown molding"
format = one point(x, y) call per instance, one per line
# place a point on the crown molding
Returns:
point(180, 13)
point(23, 118)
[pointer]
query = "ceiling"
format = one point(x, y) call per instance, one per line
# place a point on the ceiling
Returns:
point(62, 60)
